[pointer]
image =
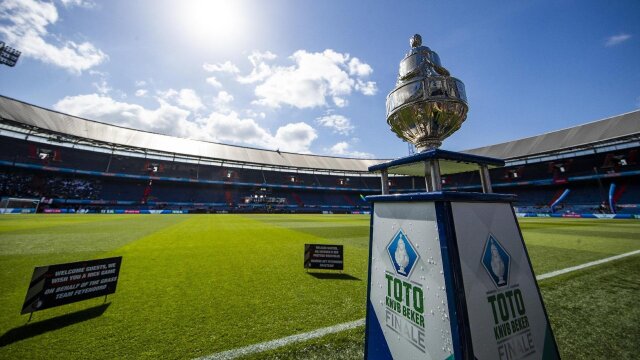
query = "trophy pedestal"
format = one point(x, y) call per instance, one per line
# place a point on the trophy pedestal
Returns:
point(449, 275)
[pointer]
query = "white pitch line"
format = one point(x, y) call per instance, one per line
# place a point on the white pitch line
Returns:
point(586, 265)
point(274, 344)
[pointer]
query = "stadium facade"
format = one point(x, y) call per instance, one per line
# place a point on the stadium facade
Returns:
point(72, 164)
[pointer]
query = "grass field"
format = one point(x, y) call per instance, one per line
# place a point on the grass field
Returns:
point(193, 285)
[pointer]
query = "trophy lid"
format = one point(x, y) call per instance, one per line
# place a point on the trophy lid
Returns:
point(427, 104)
point(411, 65)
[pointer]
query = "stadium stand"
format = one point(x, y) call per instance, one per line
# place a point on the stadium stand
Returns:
point(73, 163)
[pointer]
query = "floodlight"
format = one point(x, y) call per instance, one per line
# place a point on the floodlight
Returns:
point(8, 55)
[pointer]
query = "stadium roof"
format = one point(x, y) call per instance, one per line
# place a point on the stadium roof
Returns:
point(620, 127)
point(59, 123)
point(625, 126)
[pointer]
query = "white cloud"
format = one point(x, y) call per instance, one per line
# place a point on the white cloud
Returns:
point(224, 97)
point(186, 98)
point(343, 149)
point(189, 99)
point(141, 83)
point(296, 137)
point(255, 114)
point(168, 95)
point(211, 80)
point(340, 102)
point(222, 100)
point(227, 67)
point(358, 68)
point(166, 119)
point(173, 120)
point(230, 128)
point(338, 123)
point(101, 84)
point(261, 70)
point(141, 92)
point(312, 79)
point(367, 88)
point(284, 88)
point(25, 27)
point(87, 4)
point(616, 39)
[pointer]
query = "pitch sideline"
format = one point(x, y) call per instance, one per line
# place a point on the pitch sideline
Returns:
point(274, 344)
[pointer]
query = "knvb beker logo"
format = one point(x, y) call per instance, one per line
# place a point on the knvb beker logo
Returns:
point(496, 261)
point(403, 255)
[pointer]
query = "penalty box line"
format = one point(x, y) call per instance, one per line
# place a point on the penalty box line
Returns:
point(274, 344)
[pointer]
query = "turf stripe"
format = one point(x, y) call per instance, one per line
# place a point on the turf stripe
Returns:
point(274, 344)
point(586, 265)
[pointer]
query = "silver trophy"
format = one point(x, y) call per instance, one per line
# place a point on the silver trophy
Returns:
point(427, 105)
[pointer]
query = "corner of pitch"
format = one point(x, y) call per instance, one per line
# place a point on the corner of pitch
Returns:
point(405, 310)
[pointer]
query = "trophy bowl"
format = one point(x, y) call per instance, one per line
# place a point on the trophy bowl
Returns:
point(427, 105)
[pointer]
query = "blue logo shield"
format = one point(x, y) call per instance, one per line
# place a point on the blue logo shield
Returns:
point(496, 261)
point(402, 254)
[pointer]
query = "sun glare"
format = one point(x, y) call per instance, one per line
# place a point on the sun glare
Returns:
point(214, 22)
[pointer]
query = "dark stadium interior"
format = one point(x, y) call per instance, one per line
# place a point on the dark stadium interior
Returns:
point(103, 179)
point(71, 163)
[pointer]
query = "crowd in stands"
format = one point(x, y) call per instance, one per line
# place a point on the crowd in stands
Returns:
point(71, 188)
point(566, 208)
point(583, 198)
point(17, 185)
point(536, 185)
point(28, 185)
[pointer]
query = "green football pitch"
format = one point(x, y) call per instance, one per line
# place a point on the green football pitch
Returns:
point(195, 285)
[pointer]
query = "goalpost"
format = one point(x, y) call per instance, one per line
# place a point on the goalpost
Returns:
point(9, 205)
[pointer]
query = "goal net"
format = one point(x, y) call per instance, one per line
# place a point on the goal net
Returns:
point(11, 205)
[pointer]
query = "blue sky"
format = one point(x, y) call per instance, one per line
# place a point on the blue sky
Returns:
point(312, 76)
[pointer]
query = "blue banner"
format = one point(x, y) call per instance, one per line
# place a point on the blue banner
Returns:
point(559, 199)
point(612, 192)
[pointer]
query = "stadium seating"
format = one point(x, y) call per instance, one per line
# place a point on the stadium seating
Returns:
point(108, 179)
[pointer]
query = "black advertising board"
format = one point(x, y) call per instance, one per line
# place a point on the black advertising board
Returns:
point(61, 284)
point(321, 256)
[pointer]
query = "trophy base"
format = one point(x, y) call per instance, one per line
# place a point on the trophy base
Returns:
point(432, 163)
point(430, 144)
point(447, 302)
